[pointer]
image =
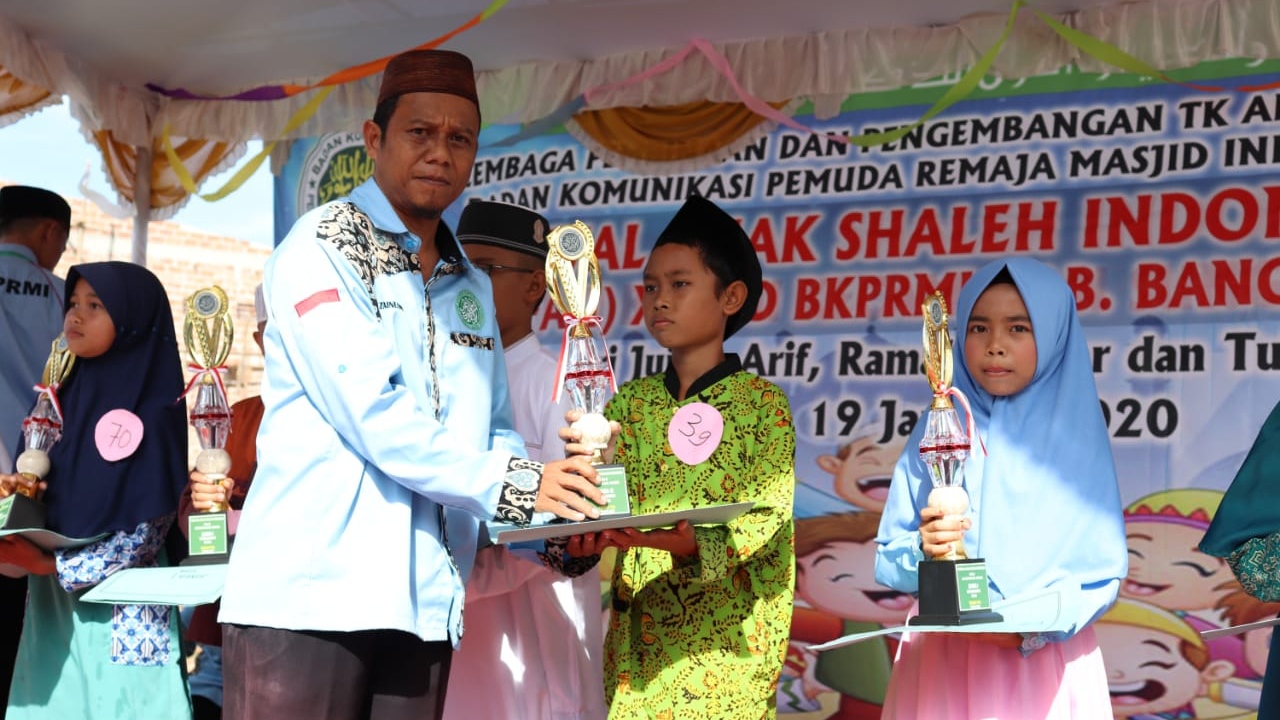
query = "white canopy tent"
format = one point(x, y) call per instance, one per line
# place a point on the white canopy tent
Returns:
point(534, 56)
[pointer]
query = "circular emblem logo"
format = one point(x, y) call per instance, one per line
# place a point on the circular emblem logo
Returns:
point(207, 303)
point(332, 168)
point(572, 243)
point(524, 479)
point(935, 313)
point(470, 311)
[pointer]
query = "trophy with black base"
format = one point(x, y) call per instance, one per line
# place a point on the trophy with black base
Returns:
point(209, 331)
point(953, 588)
point(40, 431)
point(573, 282)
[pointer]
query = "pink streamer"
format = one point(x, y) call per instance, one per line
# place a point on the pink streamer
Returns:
point(721, 65)
point(662, 67)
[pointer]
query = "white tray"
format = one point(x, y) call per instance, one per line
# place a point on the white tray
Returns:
point(1034, 612)
point(709, 515)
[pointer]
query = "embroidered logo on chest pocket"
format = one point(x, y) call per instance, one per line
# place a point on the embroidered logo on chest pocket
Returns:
point(470, 311)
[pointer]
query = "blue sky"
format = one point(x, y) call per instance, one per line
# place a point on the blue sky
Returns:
point(47, 149)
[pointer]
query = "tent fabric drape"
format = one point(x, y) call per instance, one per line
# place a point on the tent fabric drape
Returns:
point(828, 67)
point(126, 111)
point(671, 139)
point(823, 67)
point(202, 158)
point(19, 99)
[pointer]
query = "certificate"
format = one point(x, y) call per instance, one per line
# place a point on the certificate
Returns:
point(1238, 629)
point(1040, 612)
point(182, 585)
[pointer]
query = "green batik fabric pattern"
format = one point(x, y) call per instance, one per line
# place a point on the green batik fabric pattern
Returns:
point(1256, 565)
point(705, 638)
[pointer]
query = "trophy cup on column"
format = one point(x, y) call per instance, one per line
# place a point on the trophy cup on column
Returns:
point(208, 331)
point(40, 430)
point(953, 588)
point(573, 282)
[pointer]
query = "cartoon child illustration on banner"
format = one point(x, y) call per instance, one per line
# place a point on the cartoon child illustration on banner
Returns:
point(1165, 568)
point(1158, 666)
point(838, 595)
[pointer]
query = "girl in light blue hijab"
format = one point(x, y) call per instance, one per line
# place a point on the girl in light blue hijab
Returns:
point(1045, 511)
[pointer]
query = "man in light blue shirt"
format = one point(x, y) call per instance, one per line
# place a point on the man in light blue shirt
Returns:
point(34, 226)
point(387, 433)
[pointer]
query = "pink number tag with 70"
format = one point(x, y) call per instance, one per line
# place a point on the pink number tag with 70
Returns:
point(695, 432)
point(118, 434)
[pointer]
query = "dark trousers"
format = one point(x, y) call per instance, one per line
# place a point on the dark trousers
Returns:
point(271, 674)
point(13, 605)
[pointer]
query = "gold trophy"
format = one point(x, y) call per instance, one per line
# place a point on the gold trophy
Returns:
point(41, 429)
point(209, 331)
point(573, 282)
point(953, 588)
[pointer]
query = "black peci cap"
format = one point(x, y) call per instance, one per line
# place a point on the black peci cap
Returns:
point(23, 201)
point(701, 219)
point(503, 225)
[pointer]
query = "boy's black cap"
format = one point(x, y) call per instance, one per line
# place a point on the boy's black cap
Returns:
point(23, 201)
point(503, 225)
point(702, 219)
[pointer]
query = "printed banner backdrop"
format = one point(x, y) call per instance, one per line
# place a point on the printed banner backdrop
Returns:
point(1158, 202)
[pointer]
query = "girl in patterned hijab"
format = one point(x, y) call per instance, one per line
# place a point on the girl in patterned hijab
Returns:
point(115, 478)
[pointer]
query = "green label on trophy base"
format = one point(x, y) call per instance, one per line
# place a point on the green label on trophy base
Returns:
point(207, 534)
point(613, 483)
point(5, 506)
point(971, 586)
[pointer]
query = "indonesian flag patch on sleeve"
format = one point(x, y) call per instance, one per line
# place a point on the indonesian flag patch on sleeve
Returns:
point(316, 300)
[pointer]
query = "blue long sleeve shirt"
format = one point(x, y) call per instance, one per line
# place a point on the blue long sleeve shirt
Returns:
point(386, 436)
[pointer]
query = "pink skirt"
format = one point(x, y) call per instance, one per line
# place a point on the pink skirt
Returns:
point(948, 676)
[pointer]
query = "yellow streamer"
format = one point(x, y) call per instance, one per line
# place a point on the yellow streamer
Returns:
point(953, 95)
point(1110, 54)
point(1098, 49)
point(188, 183)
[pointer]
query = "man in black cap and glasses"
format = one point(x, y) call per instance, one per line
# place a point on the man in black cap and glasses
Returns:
point(534, 636)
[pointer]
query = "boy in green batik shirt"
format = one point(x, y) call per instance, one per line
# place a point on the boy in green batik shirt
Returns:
point(700, 615)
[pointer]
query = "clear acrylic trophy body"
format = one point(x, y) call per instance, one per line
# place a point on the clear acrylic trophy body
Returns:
point(953, 588)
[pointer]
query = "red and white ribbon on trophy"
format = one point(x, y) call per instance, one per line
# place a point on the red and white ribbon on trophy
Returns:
point(201, 371)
